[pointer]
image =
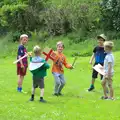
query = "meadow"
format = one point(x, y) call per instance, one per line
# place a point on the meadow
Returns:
point(76, 104)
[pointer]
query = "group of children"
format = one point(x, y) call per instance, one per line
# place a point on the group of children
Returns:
point(101, 53)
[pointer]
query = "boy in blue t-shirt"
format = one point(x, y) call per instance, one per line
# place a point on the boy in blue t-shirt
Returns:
point(98, 55)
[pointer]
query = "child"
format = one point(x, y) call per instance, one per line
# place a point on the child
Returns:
point(38, 74)
point(98, 55)
point(23, 64)
point(108, 69)
point(57, 69)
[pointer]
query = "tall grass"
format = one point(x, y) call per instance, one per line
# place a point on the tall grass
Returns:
point(83, 48)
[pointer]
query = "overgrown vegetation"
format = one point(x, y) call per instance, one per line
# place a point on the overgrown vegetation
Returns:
point(45, 18)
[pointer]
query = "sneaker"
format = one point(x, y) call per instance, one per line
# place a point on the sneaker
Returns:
point(42, 100)
point(31, 99)
point(91, 88)
point(60, 94)
point(103, 97)
point(55, 94)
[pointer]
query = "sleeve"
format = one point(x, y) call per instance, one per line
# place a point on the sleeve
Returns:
point(94, 50)
point(46, 65)
point(21, 51)
point(110, 60)
point(66, 64)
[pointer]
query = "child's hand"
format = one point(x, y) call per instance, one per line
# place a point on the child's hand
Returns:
point(72, 67)
point(29, 54)
point(90, 62)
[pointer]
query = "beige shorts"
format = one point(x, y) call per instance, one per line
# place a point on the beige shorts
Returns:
point(108, 80)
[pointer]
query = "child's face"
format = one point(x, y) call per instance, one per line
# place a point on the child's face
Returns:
point(107, 49)
point(100, 42)
point(24, 40)
point(60, 48)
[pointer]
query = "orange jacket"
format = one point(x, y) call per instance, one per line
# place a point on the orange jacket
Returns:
point(58, 63)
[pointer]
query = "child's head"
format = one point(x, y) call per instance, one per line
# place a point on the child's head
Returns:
point(101, 39)
point(108, 45)
point(23, 39)
point(37, 50)
point(60, 46)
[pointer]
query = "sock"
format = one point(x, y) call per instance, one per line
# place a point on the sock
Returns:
point(92, 85)
point(20, 89)
point(32, 96)
point(41, 98)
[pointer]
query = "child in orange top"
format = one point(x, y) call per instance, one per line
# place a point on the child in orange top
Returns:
point(57, 69)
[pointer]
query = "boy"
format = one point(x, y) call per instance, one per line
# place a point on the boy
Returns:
point(57, 69)
point(23, 64)
point(98, 55)
point(38, 74)
point(108, 69)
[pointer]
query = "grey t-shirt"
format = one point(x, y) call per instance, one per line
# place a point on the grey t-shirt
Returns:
point(109, 59)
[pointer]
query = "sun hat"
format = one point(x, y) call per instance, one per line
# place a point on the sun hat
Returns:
point(102, 36)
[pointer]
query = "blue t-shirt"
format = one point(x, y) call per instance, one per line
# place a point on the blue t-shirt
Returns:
point(99, 54)
point(21, 52)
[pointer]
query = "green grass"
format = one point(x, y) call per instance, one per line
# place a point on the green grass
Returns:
point(76, 104)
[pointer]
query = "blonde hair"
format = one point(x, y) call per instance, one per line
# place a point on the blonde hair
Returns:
point(36, 49)
point(109, 44)
point(60, 43)
point(23, 35)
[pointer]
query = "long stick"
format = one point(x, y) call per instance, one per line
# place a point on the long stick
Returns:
point(74, 61)
point(20, 58)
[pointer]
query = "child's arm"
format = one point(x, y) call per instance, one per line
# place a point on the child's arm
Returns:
point(92, 58)
point(69, 66)
point(109, 70)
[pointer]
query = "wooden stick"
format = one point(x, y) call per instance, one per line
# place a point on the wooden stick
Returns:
point(74, 61)
point(20, 58)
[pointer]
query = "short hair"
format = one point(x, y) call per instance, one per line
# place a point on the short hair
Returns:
point(23, 35)
point(60, 43)
point(36, 49)
point(109, 44)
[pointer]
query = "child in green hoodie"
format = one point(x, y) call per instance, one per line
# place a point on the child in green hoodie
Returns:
point(38, 74)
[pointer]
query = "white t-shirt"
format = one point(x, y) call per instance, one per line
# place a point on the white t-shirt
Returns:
point(109, 59)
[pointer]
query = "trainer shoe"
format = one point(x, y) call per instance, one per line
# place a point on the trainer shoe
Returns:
point(43, 101)
point(91, 88)
point(55, 94)
point(31, 99)
point(60, 94)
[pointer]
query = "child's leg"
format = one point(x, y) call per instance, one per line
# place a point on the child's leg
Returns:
point(111, 88)
point(62, 83)
point(33, 93)
point(94, 76)
point(41, 85)
point(104, 86)
point(42, 93)
point(57, 83)
point(20, 80)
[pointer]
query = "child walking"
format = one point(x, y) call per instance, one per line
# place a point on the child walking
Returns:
point(98, 56)
point(23, 64)
point(57, 69)
point(38, 74)
point(108, 69)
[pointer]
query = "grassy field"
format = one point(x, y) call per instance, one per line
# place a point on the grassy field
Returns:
point(76, 104)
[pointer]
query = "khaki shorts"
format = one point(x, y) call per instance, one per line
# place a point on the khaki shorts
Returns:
point(108, 81)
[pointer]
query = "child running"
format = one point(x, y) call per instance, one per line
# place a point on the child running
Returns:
point(57, 69)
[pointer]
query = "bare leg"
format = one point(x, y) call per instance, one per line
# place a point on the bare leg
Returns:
point(42, 92)
point(20, 80)
point(104, 87)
